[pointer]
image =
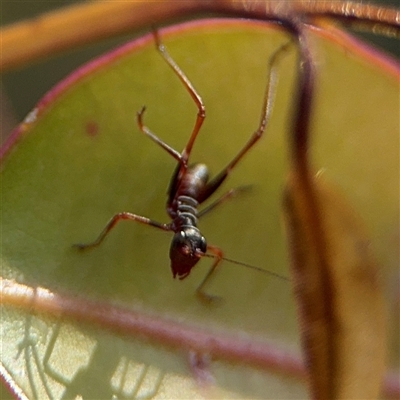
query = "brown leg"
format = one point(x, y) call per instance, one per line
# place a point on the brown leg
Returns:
point(155, 138)
point(228, 195)
point(201, 114)
point(114, 220)
point(269, 98)
point(203, 296)
point(183, 157)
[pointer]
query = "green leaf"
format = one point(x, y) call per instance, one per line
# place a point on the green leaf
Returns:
point(80, 158)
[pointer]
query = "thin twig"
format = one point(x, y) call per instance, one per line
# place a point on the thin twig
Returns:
point(79, 25)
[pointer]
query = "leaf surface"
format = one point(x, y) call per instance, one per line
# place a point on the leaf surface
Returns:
point(80, 158)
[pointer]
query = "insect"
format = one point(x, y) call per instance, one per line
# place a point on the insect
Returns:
point(190, 185)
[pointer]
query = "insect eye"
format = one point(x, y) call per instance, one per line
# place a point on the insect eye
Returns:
point(203, 246)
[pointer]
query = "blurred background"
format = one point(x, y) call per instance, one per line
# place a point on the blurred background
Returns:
point(21, 89)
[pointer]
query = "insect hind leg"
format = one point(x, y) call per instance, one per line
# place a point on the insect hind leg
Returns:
point(155, 138)
point(269, 98)
point(201, 113)
point(183, 157)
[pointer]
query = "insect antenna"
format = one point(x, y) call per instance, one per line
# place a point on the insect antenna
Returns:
point(265, 271)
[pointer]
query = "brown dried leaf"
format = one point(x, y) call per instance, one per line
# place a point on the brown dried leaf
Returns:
point(340, 301)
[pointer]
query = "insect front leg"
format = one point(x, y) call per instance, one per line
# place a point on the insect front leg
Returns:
point(202, 295)
point(114, 220)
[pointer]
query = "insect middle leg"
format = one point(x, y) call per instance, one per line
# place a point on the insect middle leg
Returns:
point(226, 196)
point(119, 217)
